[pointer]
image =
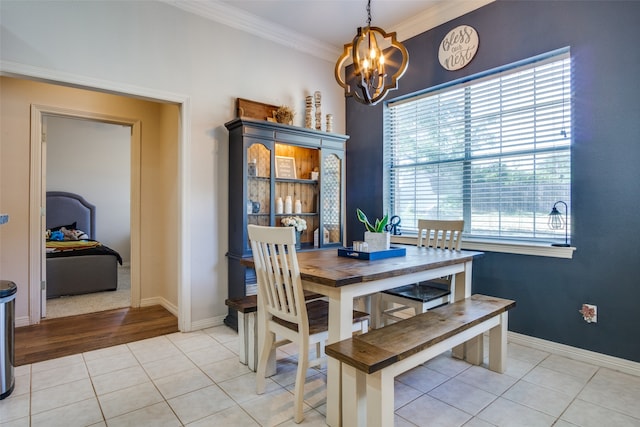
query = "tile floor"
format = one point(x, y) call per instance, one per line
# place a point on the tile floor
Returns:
point(195, 379)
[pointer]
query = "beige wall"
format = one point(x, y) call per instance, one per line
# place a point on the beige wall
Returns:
point(158, 172)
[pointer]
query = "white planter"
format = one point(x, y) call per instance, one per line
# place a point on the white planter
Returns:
point(377, 241)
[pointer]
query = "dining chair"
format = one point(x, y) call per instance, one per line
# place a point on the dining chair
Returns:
point(439, 234)
point(289, 317)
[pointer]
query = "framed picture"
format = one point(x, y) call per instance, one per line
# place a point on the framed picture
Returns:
point(285, 167)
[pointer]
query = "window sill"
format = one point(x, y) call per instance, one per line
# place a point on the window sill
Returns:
point(503, 246)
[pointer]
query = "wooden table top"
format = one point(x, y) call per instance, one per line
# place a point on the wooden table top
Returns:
point(327, 268)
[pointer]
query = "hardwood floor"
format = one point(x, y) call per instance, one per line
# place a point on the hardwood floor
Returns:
point(64, 336)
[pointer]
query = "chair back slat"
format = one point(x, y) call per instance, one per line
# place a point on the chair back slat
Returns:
point(278, 273)
point(440, 234)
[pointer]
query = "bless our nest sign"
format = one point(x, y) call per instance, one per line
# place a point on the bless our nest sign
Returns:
point(458, 47)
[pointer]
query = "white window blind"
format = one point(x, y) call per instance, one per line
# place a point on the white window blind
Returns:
point(494, 151)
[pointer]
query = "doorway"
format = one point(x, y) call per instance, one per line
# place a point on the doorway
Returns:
point(72, 144)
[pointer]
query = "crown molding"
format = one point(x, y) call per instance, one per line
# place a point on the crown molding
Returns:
point(230, 16)
point(233, 17)
point(440, 13)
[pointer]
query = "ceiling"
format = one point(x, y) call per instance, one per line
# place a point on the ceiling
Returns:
point(322, 27)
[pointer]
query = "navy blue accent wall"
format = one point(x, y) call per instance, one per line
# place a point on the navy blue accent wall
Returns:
point(604, 40)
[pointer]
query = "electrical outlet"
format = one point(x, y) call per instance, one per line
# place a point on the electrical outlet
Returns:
point(589, 313)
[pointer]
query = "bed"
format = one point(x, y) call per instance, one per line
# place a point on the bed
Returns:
point(90, 267)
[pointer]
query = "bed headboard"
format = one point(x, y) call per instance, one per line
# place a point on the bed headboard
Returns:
point(65, 208)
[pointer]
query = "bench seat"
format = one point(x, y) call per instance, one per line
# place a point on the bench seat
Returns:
point(371, 361)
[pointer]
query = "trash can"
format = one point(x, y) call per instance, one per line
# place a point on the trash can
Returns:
point(8, 291)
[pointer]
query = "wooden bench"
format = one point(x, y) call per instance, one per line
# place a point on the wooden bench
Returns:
point(247, 308)
point(371, 361)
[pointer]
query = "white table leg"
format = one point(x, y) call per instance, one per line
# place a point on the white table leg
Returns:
point(461, 289)
point(340, 327)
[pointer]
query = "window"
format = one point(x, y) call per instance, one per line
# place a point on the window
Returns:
point(495, 151)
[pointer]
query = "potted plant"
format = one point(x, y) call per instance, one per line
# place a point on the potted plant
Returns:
point(376, 236)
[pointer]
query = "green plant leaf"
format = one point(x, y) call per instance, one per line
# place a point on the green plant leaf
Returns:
point(381, 224)
point(363, 219)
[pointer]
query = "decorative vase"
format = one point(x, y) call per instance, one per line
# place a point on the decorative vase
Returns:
point(377, 241)
point(298, 240)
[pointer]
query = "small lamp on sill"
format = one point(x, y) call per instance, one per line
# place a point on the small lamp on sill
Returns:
point(557, 222)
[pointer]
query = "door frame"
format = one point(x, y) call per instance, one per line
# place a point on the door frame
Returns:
point(184, 182)
point(38, 136)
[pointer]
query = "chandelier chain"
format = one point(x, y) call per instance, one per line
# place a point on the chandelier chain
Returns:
point(369, 13)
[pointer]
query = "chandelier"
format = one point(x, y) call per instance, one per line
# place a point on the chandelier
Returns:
point(378, 60)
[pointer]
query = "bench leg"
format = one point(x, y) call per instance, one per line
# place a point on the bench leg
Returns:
point(498, 345)
point(242, 339)
point(353, 397)
point(380, 399)
point(474, 349)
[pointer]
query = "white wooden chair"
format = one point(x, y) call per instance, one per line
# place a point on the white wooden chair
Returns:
point(422, 296)
point(288, 316)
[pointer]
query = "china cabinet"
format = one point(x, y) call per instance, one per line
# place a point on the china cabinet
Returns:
point(278, 171)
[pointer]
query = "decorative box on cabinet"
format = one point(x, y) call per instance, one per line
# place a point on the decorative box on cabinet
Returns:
point(254, 189)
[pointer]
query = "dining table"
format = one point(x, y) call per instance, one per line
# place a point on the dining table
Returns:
point(342, 278)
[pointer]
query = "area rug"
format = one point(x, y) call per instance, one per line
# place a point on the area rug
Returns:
point(90, 303)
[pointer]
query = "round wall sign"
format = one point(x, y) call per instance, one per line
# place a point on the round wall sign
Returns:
point(458, 47)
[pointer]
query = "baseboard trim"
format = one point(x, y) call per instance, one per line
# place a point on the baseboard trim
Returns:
point(208, 323)
point(599, 359)
point(22, 321)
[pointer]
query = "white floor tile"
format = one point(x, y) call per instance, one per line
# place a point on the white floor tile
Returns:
point(427, 411)
point(243, 388)
point(129, 399)
point(62, 395)
point(587, 414)
point(110, 363)
point(423, 379)
point(153, 349)
point(273, 408)
point(158, 415)
point(78, 414)
point(614, 390)
point(58, 363)
point(200, 404)
point(119, 380)
point(555, 380)
point(403, 394)
point(505, 413)
point(168, 366)
point(463, 396)
point(315, 390)
point(580, 370)
point(14, 407)
point(226, 369)
point(182, 383)
point(234, 416)
point(41, 380)
point(540, 398)
point(487, 380)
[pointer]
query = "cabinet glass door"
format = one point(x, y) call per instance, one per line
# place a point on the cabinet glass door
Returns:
point(331, 199)
point(258, 174)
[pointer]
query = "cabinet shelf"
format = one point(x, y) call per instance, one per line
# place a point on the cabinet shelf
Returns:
point(297, 214)
point(297, 181)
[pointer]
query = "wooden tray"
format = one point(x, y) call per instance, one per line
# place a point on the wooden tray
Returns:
point(371, 256)
point(254, 110)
